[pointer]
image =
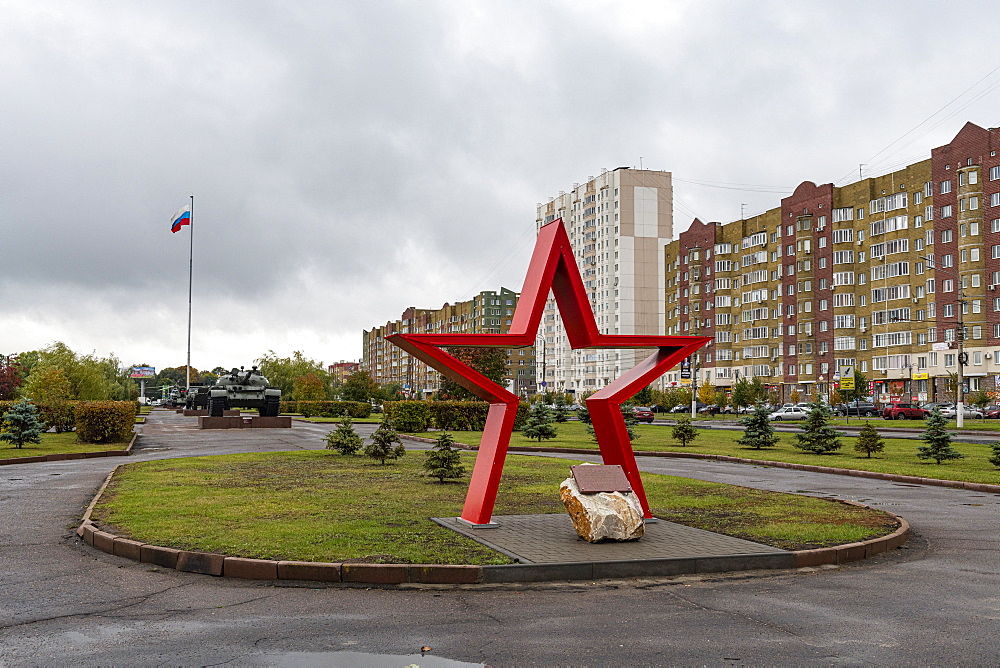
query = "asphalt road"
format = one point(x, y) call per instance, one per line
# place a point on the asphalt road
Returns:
point(937, 601)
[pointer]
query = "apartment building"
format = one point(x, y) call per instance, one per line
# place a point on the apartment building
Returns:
point(340, 371)
point(618, 224)
point(882, 274)
point(489, 312)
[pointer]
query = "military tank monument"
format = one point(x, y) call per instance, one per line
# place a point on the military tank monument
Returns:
point(243, 389)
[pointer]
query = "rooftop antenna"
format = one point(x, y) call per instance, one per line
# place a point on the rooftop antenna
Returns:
point(860, 165)
point(640, 162)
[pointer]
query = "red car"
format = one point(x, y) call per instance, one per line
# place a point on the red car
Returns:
point(643, 414)
point(904, 412)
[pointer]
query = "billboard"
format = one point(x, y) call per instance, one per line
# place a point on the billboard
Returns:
point(142, 372)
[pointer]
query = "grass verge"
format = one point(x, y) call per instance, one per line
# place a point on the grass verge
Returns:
point(899, 457)
point(57, 444)
point(320, 506)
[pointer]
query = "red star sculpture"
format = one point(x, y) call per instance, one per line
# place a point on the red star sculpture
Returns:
point(552, 267)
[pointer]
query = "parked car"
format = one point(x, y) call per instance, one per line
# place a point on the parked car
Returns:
point(789, 413)
point(992, 413)
point(968, 411)
point(936, 404)
point(904, 412)
point(643, 414)
point(857, 408)
point(686, 408)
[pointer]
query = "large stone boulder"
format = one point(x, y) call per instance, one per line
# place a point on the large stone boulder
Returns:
point(610, 516)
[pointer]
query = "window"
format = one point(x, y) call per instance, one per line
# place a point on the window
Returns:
point(973, 255)
point(946, 236)
point(844, 236)
point(944, 187)
point(994, 173)
point(947, 211)
point(973, 177)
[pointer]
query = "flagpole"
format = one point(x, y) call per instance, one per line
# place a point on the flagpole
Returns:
point(190, 274)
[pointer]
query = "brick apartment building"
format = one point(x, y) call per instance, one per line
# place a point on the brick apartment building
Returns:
point(489, 312)
point(876, 274)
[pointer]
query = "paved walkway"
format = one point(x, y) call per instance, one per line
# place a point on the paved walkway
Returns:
point(551, 539)
point(936, 602)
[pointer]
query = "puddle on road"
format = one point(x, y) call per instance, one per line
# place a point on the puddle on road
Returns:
point(352, 659)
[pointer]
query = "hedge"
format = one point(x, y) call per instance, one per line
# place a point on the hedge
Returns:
point(354, 409)
point(59, 415)
point(104, 421)
point(413, 416)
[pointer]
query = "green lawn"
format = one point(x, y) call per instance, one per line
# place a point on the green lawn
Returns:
point(56, 444)
point(321, 506)
point(899, 456)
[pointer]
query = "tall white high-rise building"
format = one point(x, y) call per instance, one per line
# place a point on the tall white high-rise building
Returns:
point(618, 224)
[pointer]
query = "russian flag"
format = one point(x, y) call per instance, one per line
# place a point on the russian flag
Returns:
point(180, 219)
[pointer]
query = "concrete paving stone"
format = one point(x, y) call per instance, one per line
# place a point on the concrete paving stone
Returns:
point(205, 563)
point(541, 539)
point(307, 570)
point(159, 556)
point(250, 569)
point(104, 541)
point(374, 573)
point(436, 574)
point(130, 549)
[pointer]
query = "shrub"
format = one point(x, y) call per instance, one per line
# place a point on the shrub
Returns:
point(758, 432)
point(459, 415)
point(59, 415)
point(385, 443)
point(684, 431)
point(869, 441)
point(411, 416)
point(104, 421)
point(22, 424)
point(938, 440)
point(354, 409)
point(539, 424)
point(344, 439)
point(817, 434)
point(288, 407)
point(443, 461)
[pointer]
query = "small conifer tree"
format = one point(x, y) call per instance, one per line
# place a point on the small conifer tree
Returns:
point(869, 441)
point(684, 432)
point(995, 457)
point(539, 425)
point(817, 435)
point(583, 413)
point(23, 425)
point(758, 432)
point(385, 443)
point(628, 412)
point(344, 439)
point(444, 461)
point(938, 440)
point(561, 413)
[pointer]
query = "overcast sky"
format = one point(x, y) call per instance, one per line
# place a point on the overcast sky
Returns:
point(350, 159)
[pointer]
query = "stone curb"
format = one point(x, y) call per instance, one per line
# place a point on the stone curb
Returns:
point(72, 455)
point(456, 574)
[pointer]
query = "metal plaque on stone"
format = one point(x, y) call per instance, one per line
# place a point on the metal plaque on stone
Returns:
point(595, 478)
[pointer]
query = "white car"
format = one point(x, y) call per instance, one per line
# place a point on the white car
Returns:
point(967, 411)
point(789, 413)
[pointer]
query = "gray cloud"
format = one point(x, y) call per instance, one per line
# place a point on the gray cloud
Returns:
point(352, 159)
